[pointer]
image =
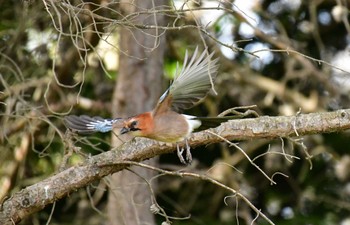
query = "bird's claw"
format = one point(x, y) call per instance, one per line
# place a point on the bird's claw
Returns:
point(188, 159)
point(188, 153)
point(179, 154)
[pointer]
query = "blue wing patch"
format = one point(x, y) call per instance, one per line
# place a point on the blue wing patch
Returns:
point(103, 126)
point(84, 124)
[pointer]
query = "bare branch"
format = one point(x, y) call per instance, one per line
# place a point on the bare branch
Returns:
point(35, 197)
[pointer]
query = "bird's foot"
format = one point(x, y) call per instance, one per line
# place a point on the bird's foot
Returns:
point(180, 151)
point(188, 152)
point(179, 154)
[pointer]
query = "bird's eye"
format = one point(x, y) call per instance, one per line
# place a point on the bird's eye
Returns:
point(133, 124)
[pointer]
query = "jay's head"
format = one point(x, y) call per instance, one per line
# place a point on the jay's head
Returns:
point(138, 126)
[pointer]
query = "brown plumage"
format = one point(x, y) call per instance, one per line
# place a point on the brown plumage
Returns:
point(165, 123)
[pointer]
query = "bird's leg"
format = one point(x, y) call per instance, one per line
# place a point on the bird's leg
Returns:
point(188, 159)
point(188, 152)
point(179, 154)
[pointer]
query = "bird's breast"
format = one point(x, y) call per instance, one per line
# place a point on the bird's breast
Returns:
point(172, 127)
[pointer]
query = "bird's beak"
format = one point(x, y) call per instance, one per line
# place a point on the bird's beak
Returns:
point(124, 130)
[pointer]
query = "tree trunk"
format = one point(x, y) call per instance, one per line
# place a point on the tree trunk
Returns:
point(137, 90)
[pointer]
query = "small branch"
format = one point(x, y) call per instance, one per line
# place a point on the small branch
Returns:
point(245, 155)
point(35, 197)
point(202, 177)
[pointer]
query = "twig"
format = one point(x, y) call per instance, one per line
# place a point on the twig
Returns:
point(195, 175)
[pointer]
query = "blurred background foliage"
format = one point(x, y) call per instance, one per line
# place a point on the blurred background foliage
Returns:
point(283, 56)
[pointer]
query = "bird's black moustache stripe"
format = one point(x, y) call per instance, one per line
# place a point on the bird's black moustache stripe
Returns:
point(134, 129)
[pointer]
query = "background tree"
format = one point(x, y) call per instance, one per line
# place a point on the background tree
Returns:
point(137, 90)
point(286, 57)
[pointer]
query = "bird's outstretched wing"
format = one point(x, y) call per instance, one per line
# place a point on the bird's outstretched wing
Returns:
point(86, 125)
point(191, 84)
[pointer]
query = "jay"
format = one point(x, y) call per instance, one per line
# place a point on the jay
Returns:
point(165, 122)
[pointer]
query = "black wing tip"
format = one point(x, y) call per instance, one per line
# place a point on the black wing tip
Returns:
point(78, 124)
point(72, 120)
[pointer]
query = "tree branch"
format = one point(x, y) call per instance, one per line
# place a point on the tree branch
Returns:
point(35, 197)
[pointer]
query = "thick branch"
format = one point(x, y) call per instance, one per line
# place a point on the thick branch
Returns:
point(35, 197)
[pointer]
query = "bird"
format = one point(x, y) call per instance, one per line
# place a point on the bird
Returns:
point(165, 122)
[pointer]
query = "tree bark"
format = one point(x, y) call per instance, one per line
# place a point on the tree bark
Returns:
point(37, 196)
point(137, 89)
